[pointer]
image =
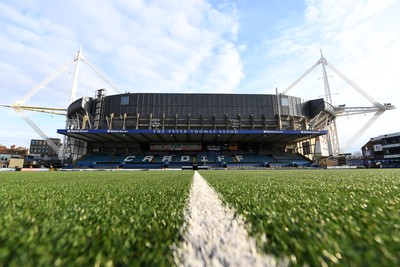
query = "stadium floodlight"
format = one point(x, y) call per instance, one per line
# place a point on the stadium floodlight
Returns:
point(234, 123)
point(155, 123)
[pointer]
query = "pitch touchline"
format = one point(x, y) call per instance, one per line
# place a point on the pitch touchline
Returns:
point(214, 237)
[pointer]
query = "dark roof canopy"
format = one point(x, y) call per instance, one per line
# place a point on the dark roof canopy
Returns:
point(204, 136)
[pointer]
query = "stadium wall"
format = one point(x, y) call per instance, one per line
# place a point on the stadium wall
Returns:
point(173, 116)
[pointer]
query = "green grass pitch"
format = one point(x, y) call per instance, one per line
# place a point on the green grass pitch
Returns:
point(91, 219)
point(314, 217)
point(320, 218)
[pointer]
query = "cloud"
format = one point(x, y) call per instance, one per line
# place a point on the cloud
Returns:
point(194, 46)
point(217, 78)
point(145, 45)
point(360, 38)
point(171, 53)
point(142, 46)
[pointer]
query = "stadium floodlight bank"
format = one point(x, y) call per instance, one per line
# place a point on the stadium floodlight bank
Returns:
point(195, 125)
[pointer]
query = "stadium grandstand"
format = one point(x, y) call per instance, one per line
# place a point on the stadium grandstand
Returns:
point(194, 130)
point(179, 130)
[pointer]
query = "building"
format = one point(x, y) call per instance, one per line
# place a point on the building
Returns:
point(42, 149)
point(6, 154)
point(382, 151)
point(42, 155)
point(177, 129)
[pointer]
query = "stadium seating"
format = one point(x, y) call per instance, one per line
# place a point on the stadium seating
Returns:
point(208, 160)
point(92, 160)
point(290, 159)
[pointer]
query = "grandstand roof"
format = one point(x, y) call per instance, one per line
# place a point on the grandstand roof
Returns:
point(190, 135)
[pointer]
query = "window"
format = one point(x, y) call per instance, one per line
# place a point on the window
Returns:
point(124, 100)
point(284, 101)
point(306, 148)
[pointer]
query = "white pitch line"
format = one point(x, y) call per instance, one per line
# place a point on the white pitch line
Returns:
point(214, 236)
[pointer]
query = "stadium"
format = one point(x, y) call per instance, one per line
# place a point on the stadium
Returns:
point(199, 130)
point(195, 130)
point(250, 217)
point(170, 130)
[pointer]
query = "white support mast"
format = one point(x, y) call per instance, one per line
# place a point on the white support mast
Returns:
point(19, 107)
point(90, 65)
point(342, 110)
point(79, 57)
point(74, 87)
point(333, 139)
point(42, 84)
point(51, 144)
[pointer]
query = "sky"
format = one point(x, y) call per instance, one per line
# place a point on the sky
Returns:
point(191, 46)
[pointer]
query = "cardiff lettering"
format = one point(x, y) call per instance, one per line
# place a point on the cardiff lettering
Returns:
point(129, 158)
